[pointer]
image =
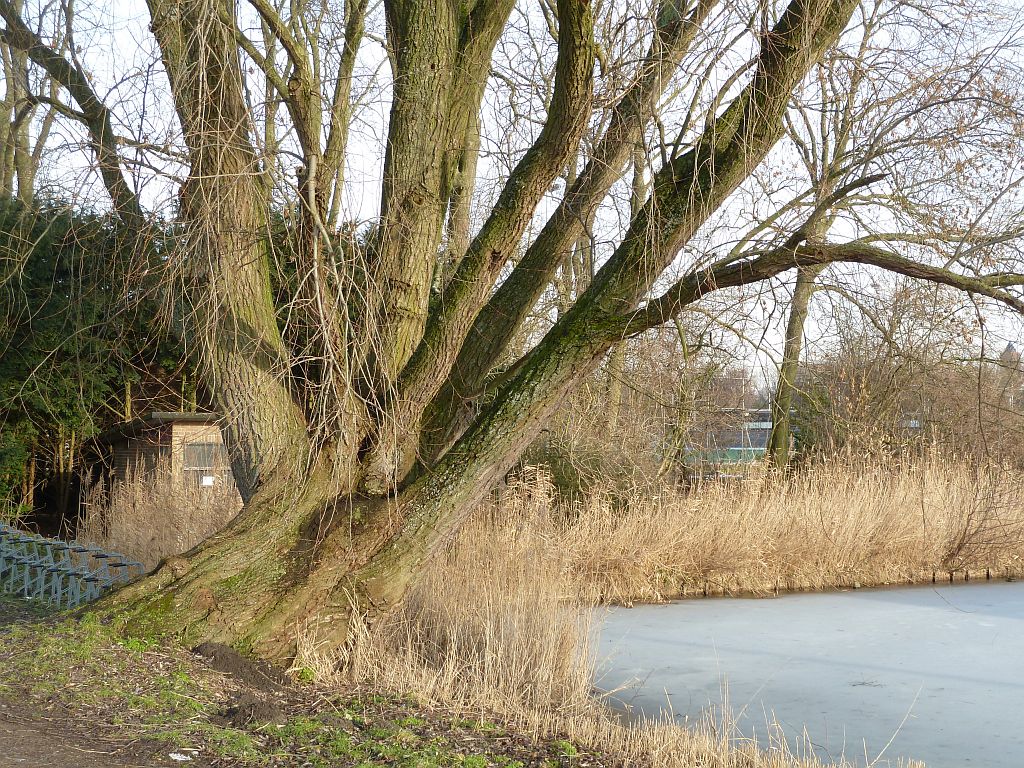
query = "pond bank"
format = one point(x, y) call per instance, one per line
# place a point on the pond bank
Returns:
point(743, 588)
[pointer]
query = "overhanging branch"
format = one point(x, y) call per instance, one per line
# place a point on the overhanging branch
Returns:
point(686, 192)
point(701, 283)
point(505, 310)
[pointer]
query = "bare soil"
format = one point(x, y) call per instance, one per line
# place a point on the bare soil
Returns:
point(252, 672)
point(36, 737)
point(35, 742)
point(25, 744)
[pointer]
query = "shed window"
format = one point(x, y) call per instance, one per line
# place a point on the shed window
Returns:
point(204, 456)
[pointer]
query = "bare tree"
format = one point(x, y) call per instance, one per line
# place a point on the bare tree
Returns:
point(362, 442)
point(922, 123)
point(21, 147)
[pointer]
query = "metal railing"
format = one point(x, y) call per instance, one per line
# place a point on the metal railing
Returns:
point(64, 574)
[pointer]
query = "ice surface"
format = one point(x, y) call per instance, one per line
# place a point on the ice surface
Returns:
point(939, 670)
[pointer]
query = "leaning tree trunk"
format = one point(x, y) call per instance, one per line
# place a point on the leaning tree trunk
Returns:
point(337, 524)
point(307, 557)
point(311, 551)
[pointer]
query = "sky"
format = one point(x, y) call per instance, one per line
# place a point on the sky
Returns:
point(120, 53)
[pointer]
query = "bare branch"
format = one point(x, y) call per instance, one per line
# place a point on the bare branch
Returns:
point(699, 284)
point(95, 115)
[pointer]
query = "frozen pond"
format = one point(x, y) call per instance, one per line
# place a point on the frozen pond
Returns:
point(938, 670)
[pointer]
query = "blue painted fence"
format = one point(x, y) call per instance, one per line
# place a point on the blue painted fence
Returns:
point(64, 574)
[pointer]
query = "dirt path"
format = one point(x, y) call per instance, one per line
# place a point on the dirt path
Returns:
point(26, 739)
point(24, 744)
point(29, 743)
point(34, 744)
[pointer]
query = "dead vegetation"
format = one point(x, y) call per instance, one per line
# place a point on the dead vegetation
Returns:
point(503, 622)
point(837, 523)
point(155, 514)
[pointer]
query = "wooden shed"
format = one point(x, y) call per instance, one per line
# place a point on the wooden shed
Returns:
point(159, 485)
point(187, 445)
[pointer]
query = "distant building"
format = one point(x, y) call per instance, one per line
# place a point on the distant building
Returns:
point(1010, 357)
point(734, 436)
point(187, 445)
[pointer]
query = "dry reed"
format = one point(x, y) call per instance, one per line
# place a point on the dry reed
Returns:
point(832, 525)
point(155, 514)
point(502, 622)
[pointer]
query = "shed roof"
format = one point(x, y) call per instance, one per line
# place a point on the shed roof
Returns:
point(155, 419)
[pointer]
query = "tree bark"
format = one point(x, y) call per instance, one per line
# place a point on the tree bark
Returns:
point(782, 403)
point(497, 321)
point(441, 53)
point(336, 525)
point(304, 554)
point(225, 274)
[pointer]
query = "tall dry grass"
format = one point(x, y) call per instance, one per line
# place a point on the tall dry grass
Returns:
point(503, 620)
point(499, 618)
point(835, 524)
point(155, 514)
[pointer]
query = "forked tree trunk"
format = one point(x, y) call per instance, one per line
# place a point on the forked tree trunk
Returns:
point(303, 558)
point(308, 552)
point(336, 525)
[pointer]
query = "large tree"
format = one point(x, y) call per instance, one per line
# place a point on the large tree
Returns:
point(368, 397)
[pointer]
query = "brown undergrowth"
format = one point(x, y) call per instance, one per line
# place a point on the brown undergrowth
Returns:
point(155, 514)
point(504, 619)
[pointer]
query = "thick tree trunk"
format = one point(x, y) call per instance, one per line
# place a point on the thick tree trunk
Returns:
point(336, 524)
point(230, 313)
point(226, 589)
point(441, 51)
point(302, 559)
